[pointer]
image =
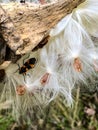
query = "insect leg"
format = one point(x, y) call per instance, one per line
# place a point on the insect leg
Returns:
point(24, 77)
point(28, 75)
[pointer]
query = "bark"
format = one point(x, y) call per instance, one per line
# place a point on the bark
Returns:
point(24, 27)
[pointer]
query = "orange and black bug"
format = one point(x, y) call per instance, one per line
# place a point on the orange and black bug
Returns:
point(29, 64)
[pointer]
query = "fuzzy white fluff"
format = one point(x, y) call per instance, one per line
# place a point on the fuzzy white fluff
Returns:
point(94, 57)
point(60, 26)
point(87, 15)
point(57, 83)
point(73, 42)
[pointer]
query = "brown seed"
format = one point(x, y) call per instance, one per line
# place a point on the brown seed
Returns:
point(77, 65)
point(45, 78)
point(20, 90)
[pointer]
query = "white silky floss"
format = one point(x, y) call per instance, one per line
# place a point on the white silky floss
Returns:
point(56, 82)
point(94, 57)
point(76, 43)
point(48, 62)
point(87, 15)
point(70, 40)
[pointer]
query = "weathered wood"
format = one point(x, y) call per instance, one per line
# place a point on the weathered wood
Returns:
point(8, 31)
point(2, 49)
point(9, 38)
point(24, 26)
point(6, 53)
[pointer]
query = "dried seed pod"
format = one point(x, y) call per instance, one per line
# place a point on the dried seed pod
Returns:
point(42, 43)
